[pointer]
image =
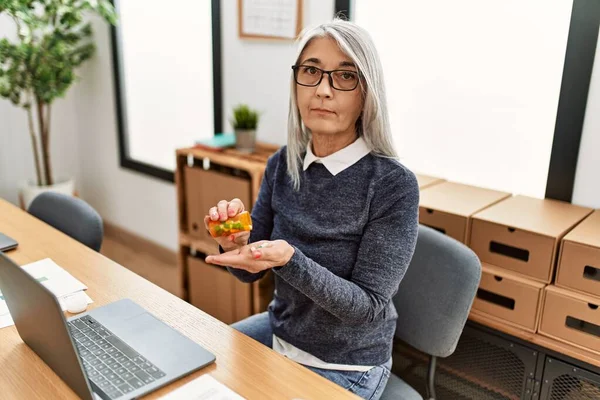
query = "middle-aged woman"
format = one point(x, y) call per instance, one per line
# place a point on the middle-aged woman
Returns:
point(336, 218)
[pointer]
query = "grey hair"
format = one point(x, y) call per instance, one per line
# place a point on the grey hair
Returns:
point(373, 124)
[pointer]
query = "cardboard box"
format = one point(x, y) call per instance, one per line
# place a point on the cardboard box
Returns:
point(509, 298)
point(448, 207)
point(572, 318)
point(216, 292)
point(579, 261)
point(522, 234)
point(204, 189)
point(425, 181)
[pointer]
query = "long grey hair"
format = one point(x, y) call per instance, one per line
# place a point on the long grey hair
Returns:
point(373, 124)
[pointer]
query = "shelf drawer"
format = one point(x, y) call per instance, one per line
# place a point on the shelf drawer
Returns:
point(218, 293)
point(204, 189)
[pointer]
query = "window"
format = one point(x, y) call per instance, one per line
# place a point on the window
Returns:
point(473, 86)
point(167, 71)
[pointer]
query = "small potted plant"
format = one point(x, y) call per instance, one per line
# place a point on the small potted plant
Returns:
point(244, 122)
point(37, 67)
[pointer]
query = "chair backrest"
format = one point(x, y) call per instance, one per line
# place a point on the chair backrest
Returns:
point(436, 294)
point(71, 216)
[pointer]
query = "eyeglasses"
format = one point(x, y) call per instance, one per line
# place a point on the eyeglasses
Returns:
point(339, 79)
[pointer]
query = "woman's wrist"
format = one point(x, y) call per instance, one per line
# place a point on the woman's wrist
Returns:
point(229, 246)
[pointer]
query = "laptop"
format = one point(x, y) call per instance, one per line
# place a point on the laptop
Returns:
point(7, 243)
point(117, 351)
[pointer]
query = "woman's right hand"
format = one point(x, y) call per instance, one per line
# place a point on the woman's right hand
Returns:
point(221, 212)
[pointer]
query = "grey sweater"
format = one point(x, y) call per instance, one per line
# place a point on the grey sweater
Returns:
point(354, 235)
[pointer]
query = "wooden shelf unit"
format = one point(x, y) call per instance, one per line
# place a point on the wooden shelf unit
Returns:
point(197, 167)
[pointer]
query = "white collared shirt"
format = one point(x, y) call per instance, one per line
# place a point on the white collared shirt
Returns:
point(335, 163)
point(304, 358)
point(341, 159)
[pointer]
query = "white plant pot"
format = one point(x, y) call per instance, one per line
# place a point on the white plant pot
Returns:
point(29, 190)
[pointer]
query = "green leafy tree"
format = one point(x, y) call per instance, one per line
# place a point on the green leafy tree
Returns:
point(52, 40)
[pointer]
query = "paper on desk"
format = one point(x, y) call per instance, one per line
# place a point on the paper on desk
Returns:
point(6, 319)
point(55, 278)
point(204, 388)
point(59, 281)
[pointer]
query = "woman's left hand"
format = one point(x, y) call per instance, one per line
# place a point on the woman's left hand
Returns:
point(256, 257)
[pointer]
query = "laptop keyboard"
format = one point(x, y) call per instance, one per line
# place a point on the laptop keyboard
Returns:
point(112, 365)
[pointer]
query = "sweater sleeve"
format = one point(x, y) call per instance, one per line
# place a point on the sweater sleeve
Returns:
point(385, 251)
point(262, 218)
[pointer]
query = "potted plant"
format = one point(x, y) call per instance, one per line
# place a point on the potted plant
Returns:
point(244, 122)
point(36, 68)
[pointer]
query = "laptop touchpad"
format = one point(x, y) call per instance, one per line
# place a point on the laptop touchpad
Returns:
point(153, 338)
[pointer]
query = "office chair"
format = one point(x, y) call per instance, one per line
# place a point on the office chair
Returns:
point(70, 215)
point(433, 303)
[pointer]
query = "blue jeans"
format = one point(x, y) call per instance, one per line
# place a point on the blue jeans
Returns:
point(368, 385)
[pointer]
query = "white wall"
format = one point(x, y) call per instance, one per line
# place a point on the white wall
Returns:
point(141, 204)
point(587, 182)
point(147, 206)
point(16, 156)
point(258, 73)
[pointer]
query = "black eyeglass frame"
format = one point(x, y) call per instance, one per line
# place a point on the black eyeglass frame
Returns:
point(295, 68)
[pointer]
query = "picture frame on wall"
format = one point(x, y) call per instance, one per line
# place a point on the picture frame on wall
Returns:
point(270, 19)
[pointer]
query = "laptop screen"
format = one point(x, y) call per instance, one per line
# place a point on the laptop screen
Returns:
point(41, 324)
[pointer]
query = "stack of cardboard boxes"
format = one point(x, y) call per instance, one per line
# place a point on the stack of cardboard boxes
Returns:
point(448, 207)
point(425, 181)
point(571, 312)
point(519, 240)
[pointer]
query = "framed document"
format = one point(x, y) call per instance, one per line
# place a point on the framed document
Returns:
point(270, 19)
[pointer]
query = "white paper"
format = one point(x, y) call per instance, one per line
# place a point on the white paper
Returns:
point(270, 18)
point(6, 319)
point(204, 388)
point(3, 308)
point(55, 278)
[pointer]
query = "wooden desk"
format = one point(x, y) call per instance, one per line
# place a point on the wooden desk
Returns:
point(242, 364)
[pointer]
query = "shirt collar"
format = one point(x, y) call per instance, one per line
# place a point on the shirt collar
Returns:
point(341, 159)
